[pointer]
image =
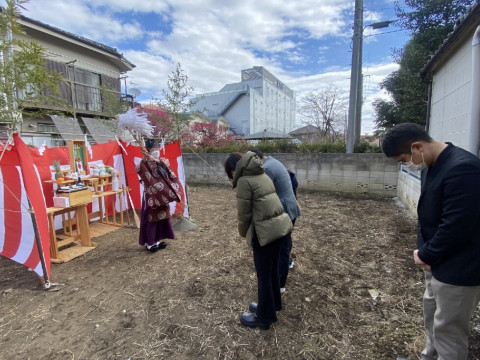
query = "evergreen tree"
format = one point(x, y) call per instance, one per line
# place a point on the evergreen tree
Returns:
point(429, 22)
point(25, 81)
point(177, 102)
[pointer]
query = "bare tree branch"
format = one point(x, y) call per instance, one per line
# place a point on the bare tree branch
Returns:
point(325, 110)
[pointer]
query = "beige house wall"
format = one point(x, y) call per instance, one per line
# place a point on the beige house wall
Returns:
point(63, 50)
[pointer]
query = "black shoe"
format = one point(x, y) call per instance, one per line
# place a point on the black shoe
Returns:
point(162, 245)
point(253, 306)
point(153, 248)
point(251, 321)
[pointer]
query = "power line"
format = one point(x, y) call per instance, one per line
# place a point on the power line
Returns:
point(386, 32)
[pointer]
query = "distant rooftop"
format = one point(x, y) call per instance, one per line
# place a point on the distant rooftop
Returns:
point(266, 135)
point(309, 129)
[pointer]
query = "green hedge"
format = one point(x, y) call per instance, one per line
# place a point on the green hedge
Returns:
point(286, 146)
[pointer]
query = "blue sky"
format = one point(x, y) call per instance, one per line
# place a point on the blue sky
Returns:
point(306, 44)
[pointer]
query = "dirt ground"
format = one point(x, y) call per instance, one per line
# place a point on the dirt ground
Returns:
point(121, 302)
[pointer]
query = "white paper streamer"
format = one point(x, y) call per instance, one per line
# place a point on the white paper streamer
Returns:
point(136, 123)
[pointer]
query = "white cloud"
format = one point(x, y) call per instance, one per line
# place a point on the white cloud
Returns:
point(260, 24)
point(146, 6)
point(78, 18)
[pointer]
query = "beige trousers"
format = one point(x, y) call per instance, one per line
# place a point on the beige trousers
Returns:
point(447, 310)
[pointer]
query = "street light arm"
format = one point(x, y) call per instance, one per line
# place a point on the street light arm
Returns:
point(381, 24)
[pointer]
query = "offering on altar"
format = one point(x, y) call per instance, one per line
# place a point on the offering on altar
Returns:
point(78, 164)
point(58, 171)
point(71, 188)
point(78, 156)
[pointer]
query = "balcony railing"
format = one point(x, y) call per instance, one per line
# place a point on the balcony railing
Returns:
point(77, 96)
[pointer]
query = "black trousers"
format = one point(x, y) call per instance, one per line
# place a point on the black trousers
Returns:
point(284, 260)
point(266, 266)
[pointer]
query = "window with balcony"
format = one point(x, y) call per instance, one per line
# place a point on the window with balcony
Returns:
point(50, 128)
point(87, 89)
point(81, 87)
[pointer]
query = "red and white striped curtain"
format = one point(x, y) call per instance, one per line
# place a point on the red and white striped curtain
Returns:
point(23, 172)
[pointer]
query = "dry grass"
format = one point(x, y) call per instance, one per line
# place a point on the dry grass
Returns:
point(120, 302)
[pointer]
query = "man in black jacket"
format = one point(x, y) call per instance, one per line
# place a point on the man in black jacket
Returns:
point(448, 235)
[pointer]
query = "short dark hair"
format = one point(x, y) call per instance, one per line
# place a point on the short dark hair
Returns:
point(149, 144)
point(259, 153)
point(399, 139)
point(230, 164)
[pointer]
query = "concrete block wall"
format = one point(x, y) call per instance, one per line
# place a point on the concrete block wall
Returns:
point(408, 191)
point(205, 168)
point(372, 174)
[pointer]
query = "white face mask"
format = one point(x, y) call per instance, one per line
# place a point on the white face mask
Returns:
point(155, 154)
point(415, 167)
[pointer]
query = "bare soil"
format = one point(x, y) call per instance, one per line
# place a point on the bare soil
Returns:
point(121, 302)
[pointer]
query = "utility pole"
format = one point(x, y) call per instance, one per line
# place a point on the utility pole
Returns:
point(354, 104)
point(358, 110)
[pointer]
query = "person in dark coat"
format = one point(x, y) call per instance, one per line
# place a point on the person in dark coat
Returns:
point(285, 190)
point(263, 223)
point(448, 242)
point(293, 179)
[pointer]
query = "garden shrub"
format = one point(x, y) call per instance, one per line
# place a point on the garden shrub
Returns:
point(285, 146)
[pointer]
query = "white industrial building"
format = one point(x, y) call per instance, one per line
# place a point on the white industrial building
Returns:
point(259, 104)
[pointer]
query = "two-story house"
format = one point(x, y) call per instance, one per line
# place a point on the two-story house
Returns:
point(88, 69)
